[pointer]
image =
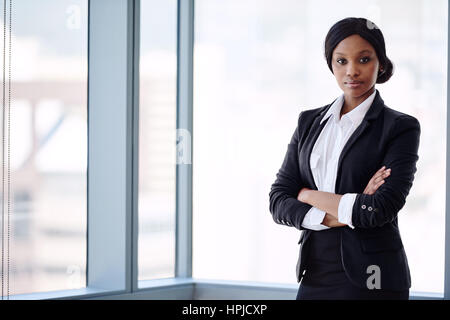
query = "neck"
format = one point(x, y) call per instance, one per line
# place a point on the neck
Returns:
point(351, 103)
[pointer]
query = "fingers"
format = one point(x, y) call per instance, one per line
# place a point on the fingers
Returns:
point(381, 169)
point(381, 175)
point(378, 184)
point(375, 187)
point(377, 180)
point(377, 174)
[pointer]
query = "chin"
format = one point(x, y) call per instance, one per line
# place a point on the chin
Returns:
point(356, 92)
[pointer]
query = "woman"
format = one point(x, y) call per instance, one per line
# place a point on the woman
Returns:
point(347, 172)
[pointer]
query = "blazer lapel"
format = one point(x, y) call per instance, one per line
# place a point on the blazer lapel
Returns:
point(314, 133)
point(372, 114)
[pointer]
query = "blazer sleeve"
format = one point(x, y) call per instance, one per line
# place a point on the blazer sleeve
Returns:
point(401, 156)
point(284, 206)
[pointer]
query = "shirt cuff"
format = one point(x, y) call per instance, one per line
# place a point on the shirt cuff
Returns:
point(313, 219)
point(345, 209)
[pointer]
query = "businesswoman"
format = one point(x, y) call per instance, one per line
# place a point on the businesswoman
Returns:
point(347, 172)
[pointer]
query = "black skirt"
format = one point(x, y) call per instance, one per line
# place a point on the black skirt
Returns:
point(348, 292)
point(325, 277)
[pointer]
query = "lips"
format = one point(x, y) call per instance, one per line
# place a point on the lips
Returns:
point(353, 84)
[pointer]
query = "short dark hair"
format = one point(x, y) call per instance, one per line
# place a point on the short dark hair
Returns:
point(367, 30)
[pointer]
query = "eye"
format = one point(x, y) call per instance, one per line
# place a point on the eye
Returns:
point(365, 60)
point(340, 61)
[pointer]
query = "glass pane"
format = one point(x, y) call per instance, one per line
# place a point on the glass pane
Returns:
point(257, 65)
point(157, 139)
point(48, 145)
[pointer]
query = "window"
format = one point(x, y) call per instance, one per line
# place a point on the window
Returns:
point(48, 146)
point(157, 136)
point(256, 66)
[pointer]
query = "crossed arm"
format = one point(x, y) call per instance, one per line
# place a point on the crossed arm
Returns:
point(325, 201)
point(329, 202)
point(401, 155)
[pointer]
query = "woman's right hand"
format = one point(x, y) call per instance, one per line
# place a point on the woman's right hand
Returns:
point(377, 180)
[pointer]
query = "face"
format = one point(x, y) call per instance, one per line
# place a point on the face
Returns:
point(355, 66)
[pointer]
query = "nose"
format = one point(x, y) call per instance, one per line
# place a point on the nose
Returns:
point(352, 70)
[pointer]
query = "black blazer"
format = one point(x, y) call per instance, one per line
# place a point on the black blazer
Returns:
point(384, 137)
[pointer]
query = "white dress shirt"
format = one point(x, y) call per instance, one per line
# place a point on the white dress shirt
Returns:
point(325, 156)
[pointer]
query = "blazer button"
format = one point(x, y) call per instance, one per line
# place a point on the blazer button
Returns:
point(363, 206)
point(369, 208)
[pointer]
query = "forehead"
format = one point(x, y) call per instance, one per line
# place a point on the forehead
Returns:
point(353, 45)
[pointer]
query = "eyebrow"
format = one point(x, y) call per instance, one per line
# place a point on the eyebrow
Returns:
point(369, 51)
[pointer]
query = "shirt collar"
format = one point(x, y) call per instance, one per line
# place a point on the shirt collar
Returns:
point(355, 116)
